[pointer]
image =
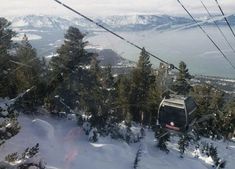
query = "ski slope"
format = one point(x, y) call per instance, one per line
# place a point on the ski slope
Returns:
point(63, 145)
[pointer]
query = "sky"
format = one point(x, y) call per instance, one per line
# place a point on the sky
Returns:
point(110, 7)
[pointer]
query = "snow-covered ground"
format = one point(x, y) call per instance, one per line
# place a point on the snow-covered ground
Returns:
point(63, 145)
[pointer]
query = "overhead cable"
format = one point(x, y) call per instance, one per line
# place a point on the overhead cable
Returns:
point(226, 20)
point(220, 30)
point(113, 33)
point(207, 35)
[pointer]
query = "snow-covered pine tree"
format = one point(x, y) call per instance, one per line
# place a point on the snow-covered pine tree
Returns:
point(93, 135)
point(162, 136)
point(9, 127)
point(183, 144)
point(211, 151)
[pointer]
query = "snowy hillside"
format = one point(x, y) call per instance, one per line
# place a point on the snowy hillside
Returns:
point(63, 145)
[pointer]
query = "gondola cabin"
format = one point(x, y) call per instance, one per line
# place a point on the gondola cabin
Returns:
point(177, 113)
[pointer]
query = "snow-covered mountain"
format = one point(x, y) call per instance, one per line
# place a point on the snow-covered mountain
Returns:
point(117, 23)
point(142, 22)
point(33, 21)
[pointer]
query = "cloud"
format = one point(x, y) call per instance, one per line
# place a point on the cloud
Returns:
point(109, 7)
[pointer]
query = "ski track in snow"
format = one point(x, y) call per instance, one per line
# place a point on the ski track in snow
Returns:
point(63, 145)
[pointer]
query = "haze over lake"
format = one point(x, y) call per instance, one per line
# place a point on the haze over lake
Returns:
point(190, 45)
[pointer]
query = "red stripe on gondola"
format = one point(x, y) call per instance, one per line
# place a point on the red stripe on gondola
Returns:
point(172, 127)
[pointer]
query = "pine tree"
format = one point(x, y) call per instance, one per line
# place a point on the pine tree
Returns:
point(181, 85)
point(108, 93)
point(201, 94)
point(183, 143)
point(162, 136)
point(71, 55)
point(225, 123)
point(7, 85)
point(210, 103)
point(107, 78)
point(28, 73)
point(92, 95)
point(141, 81)
point(123, 98)
point(9, 125)
point(69, 68)
point(81, 77)
point(153, 101)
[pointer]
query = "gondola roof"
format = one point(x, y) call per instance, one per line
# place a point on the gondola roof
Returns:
point(176, 101)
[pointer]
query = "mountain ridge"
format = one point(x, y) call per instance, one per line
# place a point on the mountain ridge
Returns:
point(116, 22)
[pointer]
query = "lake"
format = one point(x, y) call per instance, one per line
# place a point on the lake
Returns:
point(190, 46)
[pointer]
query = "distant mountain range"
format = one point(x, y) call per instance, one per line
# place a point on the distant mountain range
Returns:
point(49, 30)
point(116, 23)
